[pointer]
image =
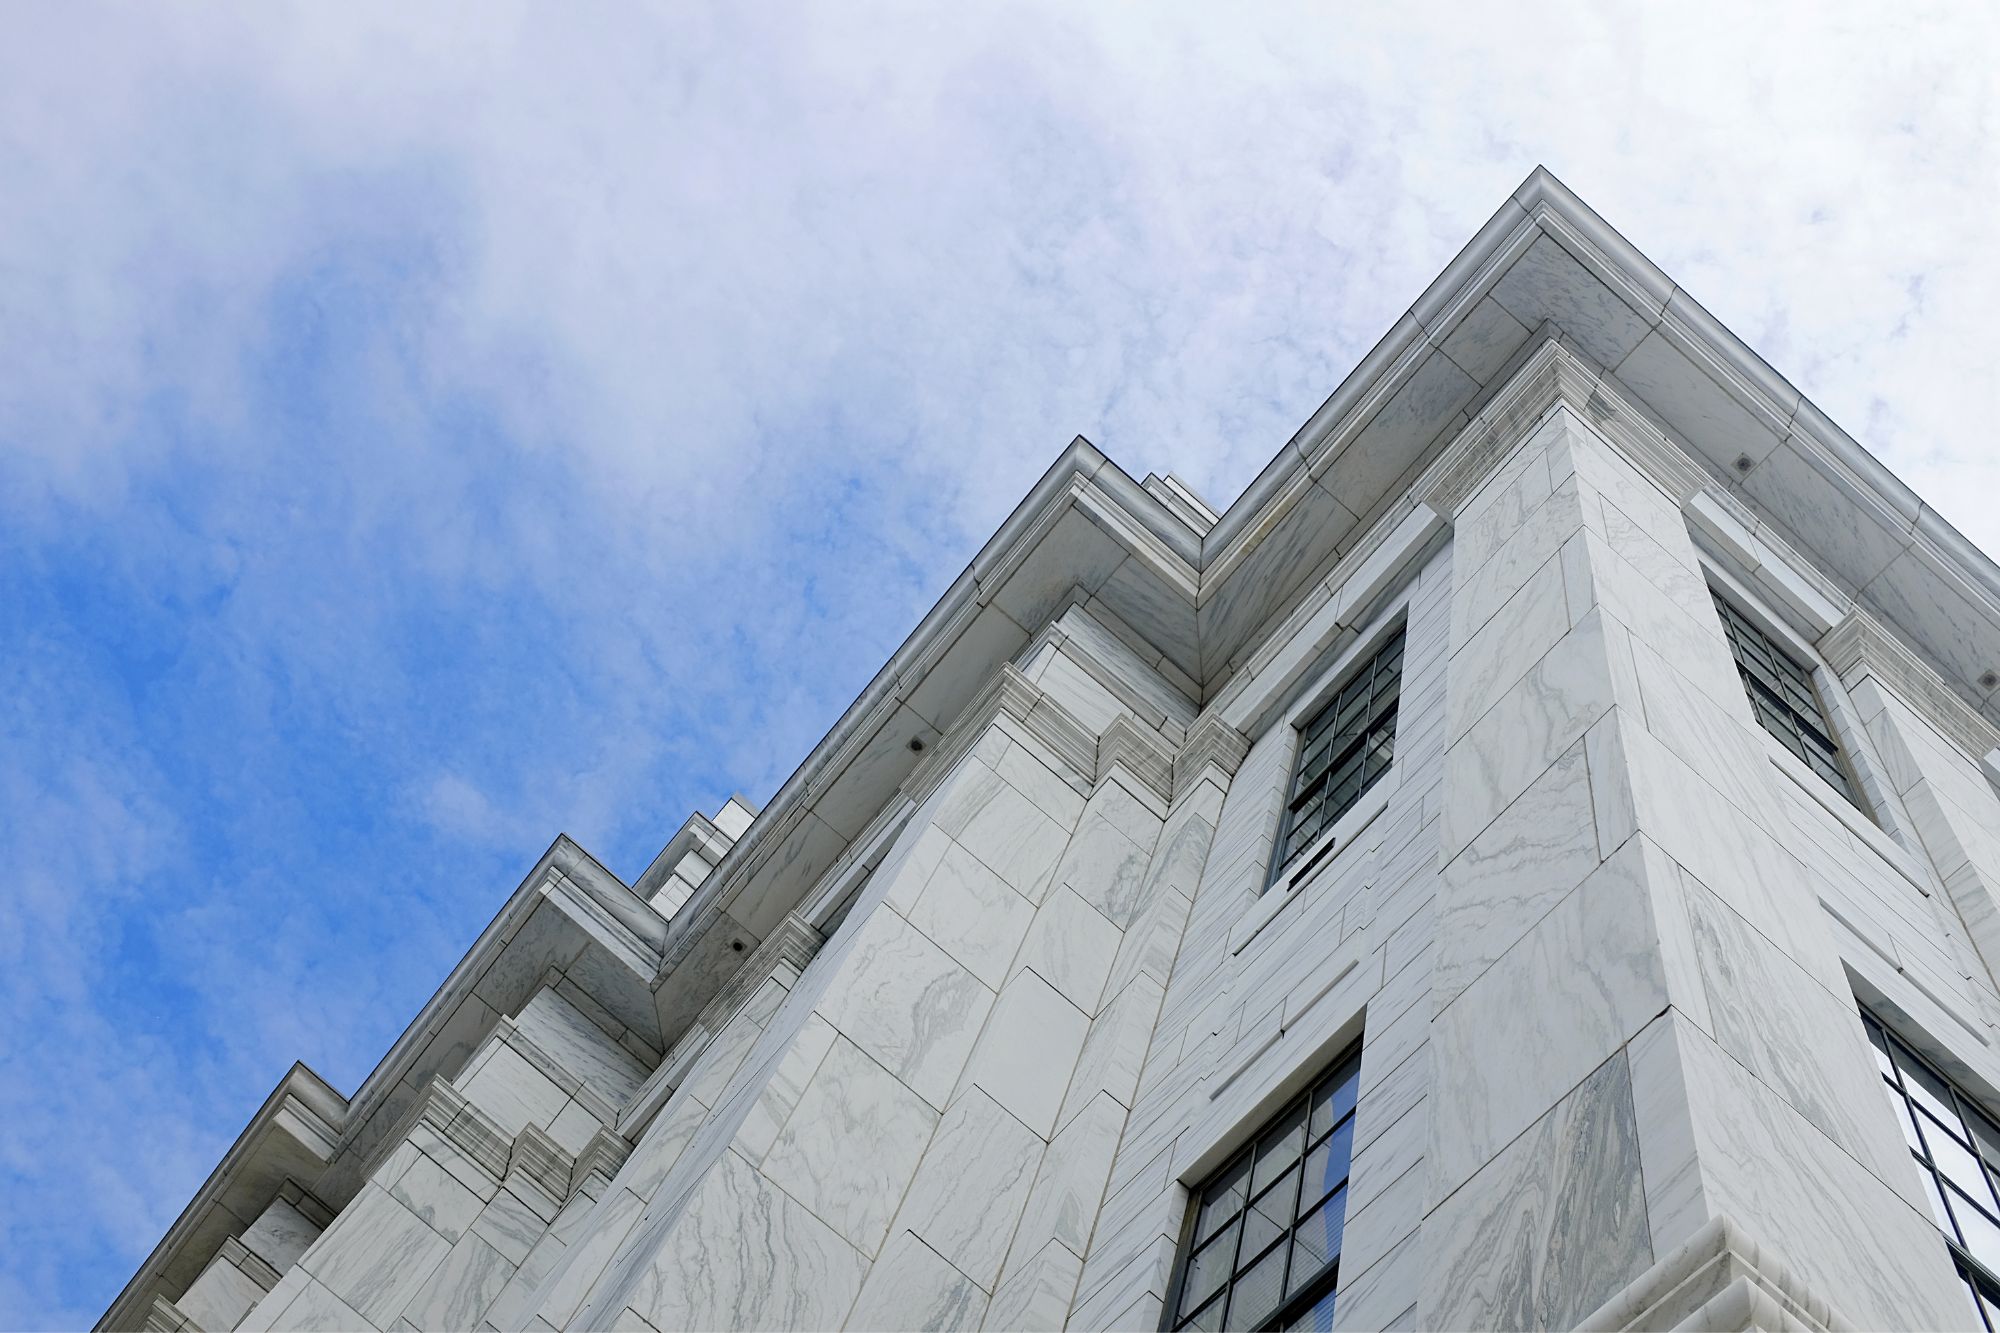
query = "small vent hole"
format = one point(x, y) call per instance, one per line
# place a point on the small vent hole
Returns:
point(916, 745)
point(1745, 462)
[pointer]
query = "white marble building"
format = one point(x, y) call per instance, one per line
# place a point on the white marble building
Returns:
point(1443, 891)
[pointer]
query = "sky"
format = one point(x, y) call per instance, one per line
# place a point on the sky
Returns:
point(427, 429)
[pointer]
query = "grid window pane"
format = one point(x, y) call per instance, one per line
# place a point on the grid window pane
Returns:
point(1265, 1237)
point(1782, 697)
point(1942, 1126)
point(1344, 748)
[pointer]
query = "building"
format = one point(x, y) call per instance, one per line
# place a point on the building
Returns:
point(1532, 862)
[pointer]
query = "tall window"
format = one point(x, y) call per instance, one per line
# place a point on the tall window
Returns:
point(1958, 1147)
point(1781, 694)
point(1344, 748)
point(1262, 1247)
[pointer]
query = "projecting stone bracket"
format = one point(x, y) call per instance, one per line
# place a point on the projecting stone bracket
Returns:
point(1719, 1279)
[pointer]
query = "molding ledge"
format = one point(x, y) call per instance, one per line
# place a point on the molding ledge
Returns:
point(1719, 1279)
point(1210, 741)
point(1859, 643)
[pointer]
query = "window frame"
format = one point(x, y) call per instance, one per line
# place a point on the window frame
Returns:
point(1360, 656)
point(1891, 1049)
point(1344, 1067)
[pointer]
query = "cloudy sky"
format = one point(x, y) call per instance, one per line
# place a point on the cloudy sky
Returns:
point(424, 431)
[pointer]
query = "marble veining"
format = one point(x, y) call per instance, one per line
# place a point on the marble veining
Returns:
point(911, 1288)
point(1550, 1228)
point(974, 1181)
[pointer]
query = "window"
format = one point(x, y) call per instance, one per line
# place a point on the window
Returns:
point(1781, 694)
point(1958, 1147)
point(1344, 748)
point(1262, 1245)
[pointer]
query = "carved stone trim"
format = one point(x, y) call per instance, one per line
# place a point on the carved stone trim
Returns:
point(1139, 748)
point(467, 1128)
point(1492, 435)
point(166, 1317)
point(1860, 641)
point(542, 1160)
point(1210, 741)
point(251, 1265)
point(1719, 1278)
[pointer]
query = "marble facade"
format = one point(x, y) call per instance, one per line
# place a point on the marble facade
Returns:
point(944, 1035)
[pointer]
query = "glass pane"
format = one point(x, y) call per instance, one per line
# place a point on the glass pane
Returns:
point(1909, 1126)
point(1982, 1237)
point(1334, 1099)
point(1882, 1060)
point(1269, 1217)
point(1957, 1164)
point(1280, 1148)
point(1318, 1239)
point(1930, 1092)
point(1986, 1138)
point(1223, 1200)
point(1209, 1318)
point(1316, 1318)
point(1326, 1165)
point(1209, 1268)
point(1937, 1202)
point(1257, 1292)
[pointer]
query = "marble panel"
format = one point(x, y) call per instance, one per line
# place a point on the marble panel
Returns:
point(904, 877)
point(280, 1235)
point(904, 1001)
point(1126, 812)
point(1152, 942)
point(912, 1287)
point(1268, 577)
point(220, 1297)
point(581, 1047)
point(1691, 640)
point(376, 1255)
point(1115, 1050)
point(510, 1226)
point(744, 1255)
point(1556, 1005)
point(512, 1092)
point(461, 1289)
point(1805, 1044)
point(436, 1196)
point(969, 911)
point(1035, 1295)
point(851, 1146)
point(1519, 485)
point(1029, 1048)
point(1851, 1239)
point(1071, 945)
point(1106, 1298)
point(974, 1181)
point(1541, 847)
point(725, 1052)
point(1070, 1185)
point(1543, 714)
point(1670, 566)
point(661, 1145)
point(1390, 1152)
point(584, 1261)
point(781, 1093)
point(1550, 1228)
point(575, 1127)
point(1547, 283)
point(1139, 597)
point(1487, 585)
point(266, 1312)
point(1821, 513)
point(1034, 779)
point(1105, 868)
point(512, 1308)
point(1395, 437)
point(1375, 1226)
point(1486, 665)
point(1721, 744)
point(1704, 414)
point(1484, 339)
point(991, 819)
point(317, 1310)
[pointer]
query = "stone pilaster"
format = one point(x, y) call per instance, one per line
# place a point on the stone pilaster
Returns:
point(1640, 1022)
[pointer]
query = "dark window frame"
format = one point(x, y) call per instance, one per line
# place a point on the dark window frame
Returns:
point(1784, 698)
point(1976, 1140)
point(1336, 1092)
point(1334, 749)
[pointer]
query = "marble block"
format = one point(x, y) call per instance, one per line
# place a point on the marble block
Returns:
point(971, 913)
point(464, 1285)
point(908, 1004)
point(969, 1192)
point(1028, 1050)
point(1072, 946)
point(851, 1145)
point(912, 1287)
point(1035, 1296)
point(376, 1255)
point(1551, 1227)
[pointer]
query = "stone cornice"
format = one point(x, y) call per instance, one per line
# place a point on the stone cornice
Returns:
point(1859, 643)
point(1210, 741)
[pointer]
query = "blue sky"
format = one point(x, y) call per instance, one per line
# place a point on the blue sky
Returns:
point(424, 430)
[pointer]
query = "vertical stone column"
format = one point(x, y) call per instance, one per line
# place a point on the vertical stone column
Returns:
point(1640, 1022)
